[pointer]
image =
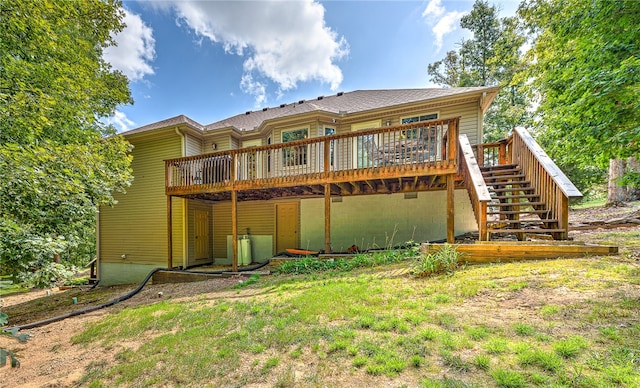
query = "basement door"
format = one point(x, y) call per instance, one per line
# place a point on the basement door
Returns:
point(201, 234)
point(287, 215)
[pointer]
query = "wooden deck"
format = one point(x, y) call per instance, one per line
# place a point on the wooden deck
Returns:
point(413, 157)
point(514, 187)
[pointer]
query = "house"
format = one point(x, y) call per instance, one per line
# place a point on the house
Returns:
point(371, 168)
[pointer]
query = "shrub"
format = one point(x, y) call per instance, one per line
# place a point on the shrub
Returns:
point(444, 260)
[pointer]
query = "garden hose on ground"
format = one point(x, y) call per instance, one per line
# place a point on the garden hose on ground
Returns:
point(124, 297)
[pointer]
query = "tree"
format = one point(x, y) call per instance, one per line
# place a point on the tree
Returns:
point(585, 68)
point(490, 58)
point(58, 162)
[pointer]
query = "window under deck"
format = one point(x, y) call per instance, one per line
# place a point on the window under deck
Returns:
point(412, 157)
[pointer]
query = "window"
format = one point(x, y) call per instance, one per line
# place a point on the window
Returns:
point(415, 119)
point(415, 133)
point(328, 132)
point(296, 155)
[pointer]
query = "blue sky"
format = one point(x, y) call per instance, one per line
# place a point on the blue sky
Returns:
point(210, 60)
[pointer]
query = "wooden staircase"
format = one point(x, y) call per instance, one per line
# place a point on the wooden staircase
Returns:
point(514, 207)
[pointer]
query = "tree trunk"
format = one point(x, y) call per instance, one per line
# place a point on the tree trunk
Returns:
point(616, 194)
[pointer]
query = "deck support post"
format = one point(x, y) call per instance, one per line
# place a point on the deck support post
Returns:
point(169, 235)
point(450, 209)
point(234, 230)
point(327, 218)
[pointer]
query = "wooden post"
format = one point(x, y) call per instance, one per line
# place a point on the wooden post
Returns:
point(327, 218)
point(480, 155)
point(234, 213)
point(169, 235)
point(450, 209)
point(563, 216)
point(483, 234)
point(234, 229)
point(502, 153)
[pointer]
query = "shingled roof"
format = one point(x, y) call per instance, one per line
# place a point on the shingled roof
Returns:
point(341, 103)
point(348, 103)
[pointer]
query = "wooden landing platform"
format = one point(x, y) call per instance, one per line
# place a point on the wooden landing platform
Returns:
point(505, 251)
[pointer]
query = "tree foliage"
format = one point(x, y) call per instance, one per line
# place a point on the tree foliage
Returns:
point(58, 161)
point(585, 67)
point(491, 57)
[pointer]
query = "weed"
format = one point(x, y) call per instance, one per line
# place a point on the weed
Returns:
point(569, 347)
point(523, 329)
point(444, 260)
point(441, 298)
point(375, 369)
point(429, 334)
point(269, 364)
point(445, 382)
point(416, 361)
point(454, 361)
point(482, 362)
point(286, 379)
point(252, 280)
point(549, 310)
point(496, 345)
point(508, 379)
point(359, 361)
point(477, 333)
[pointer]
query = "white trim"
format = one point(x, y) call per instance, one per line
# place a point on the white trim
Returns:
point(437, 113)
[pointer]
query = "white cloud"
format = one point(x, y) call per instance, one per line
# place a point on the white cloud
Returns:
point(284, 41)
point(255, 88)
point(441, 21)
point(120, 121)
point(434, 8)
point(135, 50)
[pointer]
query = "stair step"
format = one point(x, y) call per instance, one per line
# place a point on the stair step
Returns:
point(511, 189)
point(537, 230)
point(507, 204)
point(518, 196)
point(498, 167)
point(500, 172)
point(521, 221)
point(494, 177)
point(519, 212)
point(508, 183)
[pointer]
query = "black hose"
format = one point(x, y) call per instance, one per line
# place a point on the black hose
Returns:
point(85, 310)
point(117, 300)
point(220, 272)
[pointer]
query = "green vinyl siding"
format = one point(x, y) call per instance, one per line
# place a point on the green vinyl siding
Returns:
point(469, 120)
point(137, 225)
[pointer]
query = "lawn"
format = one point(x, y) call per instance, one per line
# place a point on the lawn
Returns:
point(564, 323)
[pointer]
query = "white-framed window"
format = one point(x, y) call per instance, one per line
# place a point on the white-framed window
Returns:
point(417, 118)
point(328, 131)
point(416, 132)
point(296, 155)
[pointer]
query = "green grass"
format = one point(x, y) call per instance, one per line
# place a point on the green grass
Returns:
point(381, 322)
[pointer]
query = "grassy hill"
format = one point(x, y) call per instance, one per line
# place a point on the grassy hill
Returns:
point(564, 323)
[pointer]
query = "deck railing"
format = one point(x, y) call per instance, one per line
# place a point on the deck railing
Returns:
point(475, 184)
point(548, 181)
point(495, 153)
point(385, 150)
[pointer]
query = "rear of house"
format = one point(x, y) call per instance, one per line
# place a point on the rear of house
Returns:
point(367, 168)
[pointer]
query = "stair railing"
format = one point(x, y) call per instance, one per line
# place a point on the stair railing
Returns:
point(548, 181)
point(475, 184)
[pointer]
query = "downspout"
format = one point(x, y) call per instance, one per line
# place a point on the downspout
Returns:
point(183, 149)
point(98, 257)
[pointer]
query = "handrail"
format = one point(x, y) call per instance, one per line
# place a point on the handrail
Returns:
point(387, 149)
point(495, 153)
point(475, 185)
point(547, 180)
point(564, 184)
